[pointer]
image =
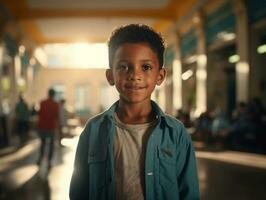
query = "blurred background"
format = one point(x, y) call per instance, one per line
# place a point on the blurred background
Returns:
point(216, 85)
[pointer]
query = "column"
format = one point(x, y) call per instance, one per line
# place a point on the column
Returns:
point(176, 77)
point(201, 73)
point(1, 74)
point(242, 67)
point(13, 74)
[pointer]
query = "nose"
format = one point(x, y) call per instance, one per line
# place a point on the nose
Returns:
point(135, 74)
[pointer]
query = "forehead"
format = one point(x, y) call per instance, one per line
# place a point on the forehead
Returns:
point(135, 50)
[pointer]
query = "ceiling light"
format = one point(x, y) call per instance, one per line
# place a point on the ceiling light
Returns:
point(226, 36)
point(187, 74)
point(233, 58)
point(261, 49)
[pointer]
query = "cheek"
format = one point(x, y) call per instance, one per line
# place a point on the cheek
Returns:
point(118, 80)
point(154, 79)
point(120, 76)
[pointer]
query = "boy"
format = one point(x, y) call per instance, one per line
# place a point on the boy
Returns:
point(133, 150)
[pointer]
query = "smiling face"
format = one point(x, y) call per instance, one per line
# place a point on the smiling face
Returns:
point(135, 72)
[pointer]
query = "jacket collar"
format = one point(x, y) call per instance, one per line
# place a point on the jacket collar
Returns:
point(159, 113)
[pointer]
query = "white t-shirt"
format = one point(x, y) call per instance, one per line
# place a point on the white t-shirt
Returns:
point(129, 153)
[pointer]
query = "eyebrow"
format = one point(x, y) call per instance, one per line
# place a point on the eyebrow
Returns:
point(144, 60)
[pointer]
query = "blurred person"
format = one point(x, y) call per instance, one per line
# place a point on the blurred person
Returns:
point(240, 113)
point(4, 112)
point(33, 117)
point(33, 110)
point(240, 126)
point(203, 126)
point(184, 117)
point(134, 150)
point(2, 127)
point(220, 127)
point(22, 115)
point(256, 110)
point(256, 115)
point(48, 122)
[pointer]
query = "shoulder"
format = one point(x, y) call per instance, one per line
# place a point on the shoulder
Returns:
point(45, 102)
point(170, 120)
point(178, 129)
point(173, 119)
point(173, 122)
point(96, 119)
point(95, 122)
point(42, 103)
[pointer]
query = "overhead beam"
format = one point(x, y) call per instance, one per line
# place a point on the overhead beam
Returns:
point(26, 16)
point(176, 8)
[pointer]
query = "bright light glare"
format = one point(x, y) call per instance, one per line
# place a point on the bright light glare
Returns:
point(41, 56)
point(242, 68)
point(201, 74)
point(21, 82)
point(261, 49)
point(77, 55)
point(202, 60)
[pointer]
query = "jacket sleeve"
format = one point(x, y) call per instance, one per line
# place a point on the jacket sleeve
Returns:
point(188, 179)
point(79, 185)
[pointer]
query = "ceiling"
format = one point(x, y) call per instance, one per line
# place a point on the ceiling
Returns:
point(64, 21)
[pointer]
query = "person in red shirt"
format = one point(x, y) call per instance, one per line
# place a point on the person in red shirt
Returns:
point(47, 124)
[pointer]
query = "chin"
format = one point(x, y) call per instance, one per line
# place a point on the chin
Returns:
point(135, 100)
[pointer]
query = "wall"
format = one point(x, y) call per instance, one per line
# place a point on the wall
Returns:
point(71, 78)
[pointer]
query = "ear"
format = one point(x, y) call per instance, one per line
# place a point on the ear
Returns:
point(109, 76)
point(161, 76)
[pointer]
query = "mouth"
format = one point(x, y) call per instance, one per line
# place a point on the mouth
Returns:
point(134, 87)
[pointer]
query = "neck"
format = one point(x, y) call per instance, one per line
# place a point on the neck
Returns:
point(135, 113)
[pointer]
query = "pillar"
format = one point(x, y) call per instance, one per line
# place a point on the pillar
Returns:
point(242, 67)
point(201, 72)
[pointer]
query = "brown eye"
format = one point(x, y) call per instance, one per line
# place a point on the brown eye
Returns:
point(146, 67)
point(122, 67)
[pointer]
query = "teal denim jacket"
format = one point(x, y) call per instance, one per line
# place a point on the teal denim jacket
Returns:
point(170, 165)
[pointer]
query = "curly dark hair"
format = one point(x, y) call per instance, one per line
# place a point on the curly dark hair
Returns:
point(136, 33)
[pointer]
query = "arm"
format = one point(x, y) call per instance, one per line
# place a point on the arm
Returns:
point(79, 185)
point(188, 180)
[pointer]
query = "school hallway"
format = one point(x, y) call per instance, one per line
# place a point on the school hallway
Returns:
point(223, 175)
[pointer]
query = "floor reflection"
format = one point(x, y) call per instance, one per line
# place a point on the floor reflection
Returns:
point(25, 180)
point(223, 175)
point(225, 181)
